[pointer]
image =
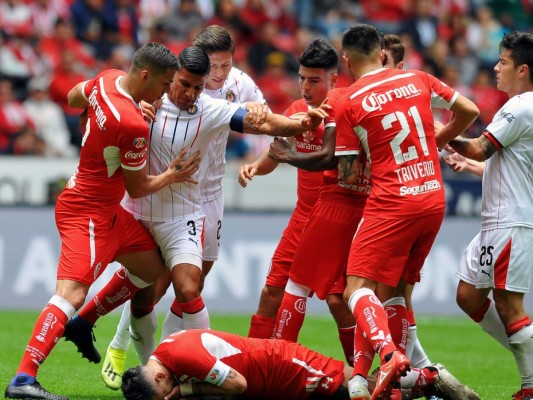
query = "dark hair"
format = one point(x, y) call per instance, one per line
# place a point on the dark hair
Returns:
point(521, 46)
point(214, 38)
point(362, 39)
point(195, 60)
point(394, 44)
point(155, 57)
point(319, 54)
point(135, 386)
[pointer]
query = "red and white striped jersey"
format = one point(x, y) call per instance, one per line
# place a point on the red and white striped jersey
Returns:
point(238, 88)
point(174, 130)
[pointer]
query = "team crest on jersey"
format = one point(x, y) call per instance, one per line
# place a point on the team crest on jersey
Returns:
point(192, 109)
point(139, 142)
point(230, 96)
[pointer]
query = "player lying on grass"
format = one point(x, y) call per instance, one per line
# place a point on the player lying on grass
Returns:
point(203, 362)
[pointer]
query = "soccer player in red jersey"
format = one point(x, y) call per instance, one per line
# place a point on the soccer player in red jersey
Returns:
point(94, 229)
point(387, 113)
point(225, 364)
point(313, 152)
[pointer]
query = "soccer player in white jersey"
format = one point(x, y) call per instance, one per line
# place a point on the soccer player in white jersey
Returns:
point(498, 259)
point(224, 82)
point(190, 119)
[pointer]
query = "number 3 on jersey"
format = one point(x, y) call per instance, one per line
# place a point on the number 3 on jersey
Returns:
point(405, 130)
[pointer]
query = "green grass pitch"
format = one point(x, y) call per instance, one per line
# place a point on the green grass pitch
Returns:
point(458, 343)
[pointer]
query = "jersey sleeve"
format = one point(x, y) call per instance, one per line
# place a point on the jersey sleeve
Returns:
point(442, 95)
point(133, 144)
point(333, 98)
point(347, 141)
point(507, 125)
point(252, 91)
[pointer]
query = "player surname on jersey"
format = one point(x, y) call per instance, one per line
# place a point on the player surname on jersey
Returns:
point(415, 171)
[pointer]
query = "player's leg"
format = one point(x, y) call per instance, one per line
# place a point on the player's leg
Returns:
point(75, 276)
point(475, 301)
point(343, 319)
point(263, 321)
point(511, 277)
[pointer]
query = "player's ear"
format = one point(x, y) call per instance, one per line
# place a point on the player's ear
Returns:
point(159, 376)
point(145, 75)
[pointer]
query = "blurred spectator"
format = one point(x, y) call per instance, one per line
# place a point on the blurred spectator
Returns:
point(15, 17)
point(49, 120)
point(331, 18)
point(19, 62)
point(95, 24)
point(183, 19)
point(17, 133)
point(466, 61)
point(62, 39)
point(422, 26)
point(237, 148)
point(513, 14)
point(484, 35)
point(486, 96)
point(279, 89)
point(127, 23)
point(66, 76)
point(435, 57)
point(227, 14)
point(387, 15)
point(45, 13)
point(149, 12)
point(266, 45)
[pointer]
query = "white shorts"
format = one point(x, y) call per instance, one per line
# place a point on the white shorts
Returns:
point(181, 240)
point(499, 258)
point(213, 211)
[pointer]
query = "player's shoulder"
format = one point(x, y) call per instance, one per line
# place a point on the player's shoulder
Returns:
point(239, 76)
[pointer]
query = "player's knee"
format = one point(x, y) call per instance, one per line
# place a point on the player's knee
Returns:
point(468, 298)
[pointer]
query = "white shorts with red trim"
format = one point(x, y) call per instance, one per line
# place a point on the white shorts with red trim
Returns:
point(499, 258)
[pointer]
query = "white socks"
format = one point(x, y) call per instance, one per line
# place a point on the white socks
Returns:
point(143, 335)
point(121, 340)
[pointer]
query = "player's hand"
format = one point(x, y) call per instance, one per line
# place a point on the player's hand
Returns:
point(246, 173)
point(148, 111)
point(258, 113)
point(184, 166)
point(279, 149)
point(456, 162)
point(315, 116)
point(174, 394)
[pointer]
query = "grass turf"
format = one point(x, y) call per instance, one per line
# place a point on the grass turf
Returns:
point(458, 343)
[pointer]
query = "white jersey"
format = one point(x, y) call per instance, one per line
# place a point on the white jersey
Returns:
point(508, 176)
point(238, 88)
point(174, 130)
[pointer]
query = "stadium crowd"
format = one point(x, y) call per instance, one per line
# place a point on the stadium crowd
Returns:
point(47, 46)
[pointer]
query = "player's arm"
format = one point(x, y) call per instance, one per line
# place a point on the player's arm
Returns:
point(280, 125)
point(139, 183)
point(464, 113)
point(349, 168)
point(263, 165)
point(459, 163)
point(234, 384)
point(324, 159)
point(479, 149)
point(76, 98)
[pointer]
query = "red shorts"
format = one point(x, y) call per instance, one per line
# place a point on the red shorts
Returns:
point(281, 263)
point(322, 255)
point(90, 242)
point(385, 250)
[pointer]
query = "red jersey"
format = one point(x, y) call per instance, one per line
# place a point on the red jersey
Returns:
point(116, 137)
point(274, 369)
point(362, 187)
point(388, 114)
point(308, 182)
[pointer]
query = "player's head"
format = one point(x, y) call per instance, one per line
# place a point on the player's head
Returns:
point(219, 46)
point(362, 45)
point(189, 81)
point(147, 382)
point(153, 67)
point(395, 51)
point(515, 67)
point(318, 71)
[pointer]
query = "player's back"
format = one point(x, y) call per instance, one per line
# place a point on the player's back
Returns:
point(116, 137)
point(390, 112)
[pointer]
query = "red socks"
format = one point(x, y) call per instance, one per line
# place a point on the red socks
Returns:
point(347, 338)
point(290, 317)
point(363, 354)
point(192, 307)
point(398, 321)
point(261, 327)
point(117, 291)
